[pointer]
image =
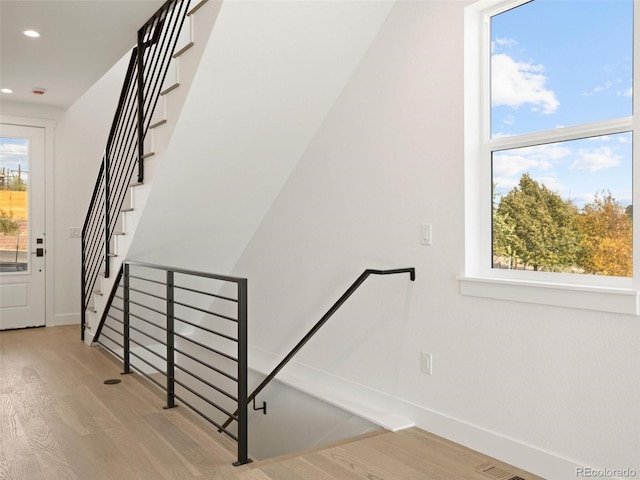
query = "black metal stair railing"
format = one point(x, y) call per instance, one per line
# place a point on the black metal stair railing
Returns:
point(146, 73)
point(334, 308)
point(191, 329)
point(186, 332)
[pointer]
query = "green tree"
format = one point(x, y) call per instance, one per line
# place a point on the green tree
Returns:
point(8, 225)
point(538, 227)
point(606, 237)
point(504, 240)
point(16, 183)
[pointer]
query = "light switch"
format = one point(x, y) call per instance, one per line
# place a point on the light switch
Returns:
point(425, 234)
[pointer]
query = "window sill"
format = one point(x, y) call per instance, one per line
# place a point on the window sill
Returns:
point(603, 299)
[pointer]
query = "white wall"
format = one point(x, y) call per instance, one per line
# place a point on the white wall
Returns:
point(269, 75)
point(80, 138)
point(545, 388)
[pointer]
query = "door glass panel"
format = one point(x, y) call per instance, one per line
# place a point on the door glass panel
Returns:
point(14, 204)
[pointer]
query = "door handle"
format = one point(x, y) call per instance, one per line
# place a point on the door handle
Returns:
point(39, 252)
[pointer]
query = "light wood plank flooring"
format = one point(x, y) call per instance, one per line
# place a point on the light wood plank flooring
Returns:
point(410, 454)
point(59, 421)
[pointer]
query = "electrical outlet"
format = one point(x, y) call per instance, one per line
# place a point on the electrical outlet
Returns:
point(426, 363)
point(75, 232)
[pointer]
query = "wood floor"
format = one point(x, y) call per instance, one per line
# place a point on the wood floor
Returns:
point(58, 420)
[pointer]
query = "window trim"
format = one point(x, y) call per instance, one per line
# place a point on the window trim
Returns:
point(591, 292)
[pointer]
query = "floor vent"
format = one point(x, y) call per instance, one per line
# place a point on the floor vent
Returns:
point(497, 473)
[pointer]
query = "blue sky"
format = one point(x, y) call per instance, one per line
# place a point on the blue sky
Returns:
point(14, 152)
point(561, 63)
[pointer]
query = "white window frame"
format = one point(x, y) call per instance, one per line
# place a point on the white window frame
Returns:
point(592, 292)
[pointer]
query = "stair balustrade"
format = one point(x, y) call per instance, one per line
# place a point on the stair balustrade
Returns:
point(190, 328)
point(125, 150)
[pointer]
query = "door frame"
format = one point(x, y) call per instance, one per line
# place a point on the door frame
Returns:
point(49, 162)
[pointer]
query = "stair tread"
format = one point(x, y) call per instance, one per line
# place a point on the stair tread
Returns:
point(170, 89)
point(182, 50)
point(195, 8)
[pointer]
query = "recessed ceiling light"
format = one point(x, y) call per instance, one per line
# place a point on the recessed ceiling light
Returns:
point(31, 33)
point(6, 90)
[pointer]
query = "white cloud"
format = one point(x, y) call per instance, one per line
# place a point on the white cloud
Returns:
point(517, 83)
point(13, 149)
point(600, 88)
point(611, 85)
point(552, 151)
point(514, 163)
point(552, 183)
point(539, 161)
point(624, 196)
point(505, 165)
point(625, 93)
point(503, 42)
point(582, 199)
point(596, 159)
point(503, 185)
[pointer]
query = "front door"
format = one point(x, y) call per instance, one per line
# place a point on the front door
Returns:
point(22, 226)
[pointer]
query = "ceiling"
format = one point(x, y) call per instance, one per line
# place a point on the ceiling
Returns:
point(79, 41)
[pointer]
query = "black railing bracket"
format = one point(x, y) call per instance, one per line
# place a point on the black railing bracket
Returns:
point(263, 408)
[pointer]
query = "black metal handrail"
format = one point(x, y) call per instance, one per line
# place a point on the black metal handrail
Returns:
point(334, 308)
point(146, 73)
point(147, 307)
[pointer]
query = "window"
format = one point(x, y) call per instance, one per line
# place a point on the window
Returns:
point(14, 211)
point(549, 137)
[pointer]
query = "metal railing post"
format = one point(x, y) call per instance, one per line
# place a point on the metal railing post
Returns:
point(243, 368)
point(126, 320)
point(83, 289)
point(171, 401)
point(106, 215)
point(140, 99)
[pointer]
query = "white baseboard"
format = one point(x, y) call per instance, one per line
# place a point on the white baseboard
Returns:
point(65, 319)
point(395, 414)
point(514, 452)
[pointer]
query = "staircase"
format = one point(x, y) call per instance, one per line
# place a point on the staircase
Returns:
point(134, 184)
